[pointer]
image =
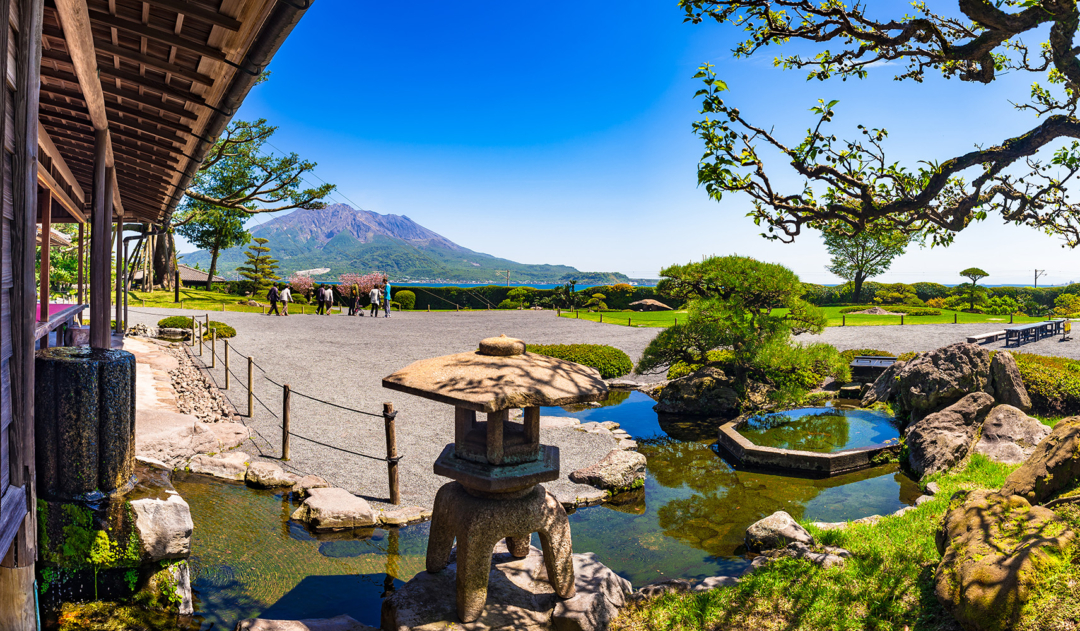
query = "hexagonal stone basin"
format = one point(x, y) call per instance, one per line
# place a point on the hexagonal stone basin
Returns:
point(822, 429)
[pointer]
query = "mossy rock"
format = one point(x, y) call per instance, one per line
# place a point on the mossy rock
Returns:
point(1053, 468)
point(994, 548)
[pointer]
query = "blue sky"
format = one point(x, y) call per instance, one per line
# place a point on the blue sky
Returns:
point(560, 133)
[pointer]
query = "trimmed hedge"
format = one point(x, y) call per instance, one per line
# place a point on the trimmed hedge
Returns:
point(405, 298)
point(481, 297)
point(610, 361)
point(1053, 383)
point(184, 322)
point(904, 309)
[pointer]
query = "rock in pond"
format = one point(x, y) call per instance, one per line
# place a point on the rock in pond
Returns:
point(333, 508)
point(268, 475)
point(776, 531)
point(1008, 385)
point(309, 482)
point(620, 470)
point(1053, 467)
point(337, 623)
point(229, 466)
point(881, 390)
point(519, 597)
point(707, 391)
point(942, 439)
point(992, 547)
point(1009, 435)
point(164, 526)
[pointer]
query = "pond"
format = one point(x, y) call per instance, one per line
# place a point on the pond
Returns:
point(825, 429)
point(248, 559)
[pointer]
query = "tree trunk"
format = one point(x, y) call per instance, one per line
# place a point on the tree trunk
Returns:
point(857, 294)
point(213, 265)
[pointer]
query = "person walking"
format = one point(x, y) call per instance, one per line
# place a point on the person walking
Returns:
point(329, 293)
point(322, 300)
point(286, 296)
point(386, 304)
point(374, 297)
point(273, 296)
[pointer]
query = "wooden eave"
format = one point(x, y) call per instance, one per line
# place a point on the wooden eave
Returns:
point(161, 70)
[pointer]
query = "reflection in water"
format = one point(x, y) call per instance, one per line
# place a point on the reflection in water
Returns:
point(248, 559)
point(821, 429)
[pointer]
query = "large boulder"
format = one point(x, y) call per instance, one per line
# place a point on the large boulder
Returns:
point(708, 391)
point(882, 388)
point(992, 547)
point(936, 379)
point(1009, 435)
point(1053, 467)
point(942, 439)
point(1008, 386)
point(332, 509)
point(776, 531)
point(519, 597)
point(620, 470)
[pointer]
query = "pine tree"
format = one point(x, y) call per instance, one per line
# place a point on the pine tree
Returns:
point(259, 268)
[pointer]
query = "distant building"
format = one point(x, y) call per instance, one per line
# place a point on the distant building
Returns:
point(189, 277)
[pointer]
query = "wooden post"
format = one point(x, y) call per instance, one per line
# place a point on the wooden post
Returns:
point(843, 320)
point(954, 317)
point(251, 385)
point(391, 451)
point(119, 275)
point(80, 290)
point(213, 347)
point(601, 318)
point(45, 212)
point(628, 322)
point(901, 319)
point(99, 246)
point(223, 307)
point(200, 339)
point(429, 308)
point(1010, 318)
point(176, 288)
point(226, 364)
point(286, 397)
point(192, 332)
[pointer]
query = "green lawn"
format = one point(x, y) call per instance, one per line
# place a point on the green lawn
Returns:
point(668, 318)
point(201, 300)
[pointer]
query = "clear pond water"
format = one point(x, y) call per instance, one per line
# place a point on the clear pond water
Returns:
point(249, 560)
point(825, 429)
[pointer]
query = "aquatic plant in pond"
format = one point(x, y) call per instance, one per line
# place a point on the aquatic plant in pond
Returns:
point(823, 430)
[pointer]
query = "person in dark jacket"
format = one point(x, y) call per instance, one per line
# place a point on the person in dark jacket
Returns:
point(272, 296)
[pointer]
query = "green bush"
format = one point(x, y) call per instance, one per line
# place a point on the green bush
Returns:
point(850, 355)
point(223, 330)
point(299, 299)
point(406, 299)
point(508, 304)
point(1053, 383)
point(717, 357)
point(610, 361)
point(175, 322)
point(907, 310)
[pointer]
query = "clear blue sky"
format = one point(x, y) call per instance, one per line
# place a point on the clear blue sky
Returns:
point(560, 133)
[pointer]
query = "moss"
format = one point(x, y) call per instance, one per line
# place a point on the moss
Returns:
point(110, 616)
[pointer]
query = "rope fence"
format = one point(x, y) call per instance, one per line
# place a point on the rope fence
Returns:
point(388, 414)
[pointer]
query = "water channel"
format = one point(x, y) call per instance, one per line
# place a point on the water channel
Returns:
point(249, 560)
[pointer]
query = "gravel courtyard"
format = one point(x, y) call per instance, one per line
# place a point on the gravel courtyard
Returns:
point(927, 337)
point(343, 360)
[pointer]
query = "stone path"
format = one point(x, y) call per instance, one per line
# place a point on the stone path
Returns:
point(343, 360)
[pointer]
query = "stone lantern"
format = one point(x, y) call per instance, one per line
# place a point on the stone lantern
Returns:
point(497, 464)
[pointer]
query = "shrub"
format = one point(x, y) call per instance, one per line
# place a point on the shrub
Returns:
point(908, 310)
point(223, 330)
point(610, 361)
point(299, 299)
point(184, 322)
point(1053, 383)
point(406, 299)
point(897, 293)
point(717, 357)
point(175, 322)
point(507, 304)
point(850, 355)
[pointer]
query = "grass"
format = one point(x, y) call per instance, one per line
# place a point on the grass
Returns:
point(886, 585)
point(668, 318)
point(202, 300)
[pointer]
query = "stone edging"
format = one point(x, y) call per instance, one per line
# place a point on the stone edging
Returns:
point(746, 452)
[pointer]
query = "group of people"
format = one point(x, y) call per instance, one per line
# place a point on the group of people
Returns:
point(324, 296)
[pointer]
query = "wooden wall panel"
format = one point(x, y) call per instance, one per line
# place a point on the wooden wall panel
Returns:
point(9, 127)
point(5, 465)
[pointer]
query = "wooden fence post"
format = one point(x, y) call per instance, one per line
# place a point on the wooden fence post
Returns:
point(213, 348)
point(901, 319)
point(954, 317)
point(200, 339)
point(226, 364)
point(1010, 318)
point(628, 322)
point(601, 318)
point(286, 396)
point(391, 452)
point(843, 320)
point(251, 384)
point(193, 333)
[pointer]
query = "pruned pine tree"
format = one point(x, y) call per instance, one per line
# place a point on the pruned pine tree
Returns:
point(260, 268)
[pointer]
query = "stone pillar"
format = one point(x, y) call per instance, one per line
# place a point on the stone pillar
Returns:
point(84, 422)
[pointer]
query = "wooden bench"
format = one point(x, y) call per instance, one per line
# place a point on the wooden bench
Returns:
point(985, 337)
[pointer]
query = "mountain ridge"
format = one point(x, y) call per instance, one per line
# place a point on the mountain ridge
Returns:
point(345, 239)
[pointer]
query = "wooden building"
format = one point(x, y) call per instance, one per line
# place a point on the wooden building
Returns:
point(110, 107)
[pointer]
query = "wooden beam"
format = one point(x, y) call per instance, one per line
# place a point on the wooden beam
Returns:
point(46, 144)
point(62, 137)
point(50, 184)
point(50, 92)
point(82, 255)
point(75, 20)
point(120, 324)
point(45, 215)
point(190, 9)
point(117, 128)
point(109, 87)
point(114, 123)
point(99, 247)
point(138, 29)
point(134, 56)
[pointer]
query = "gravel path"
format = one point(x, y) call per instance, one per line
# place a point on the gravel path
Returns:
point(925, 337)
point(343, 360)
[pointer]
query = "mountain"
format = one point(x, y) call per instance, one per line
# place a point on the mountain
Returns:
point(345, 239)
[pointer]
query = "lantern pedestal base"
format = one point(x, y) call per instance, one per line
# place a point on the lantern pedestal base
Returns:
point(479, 523)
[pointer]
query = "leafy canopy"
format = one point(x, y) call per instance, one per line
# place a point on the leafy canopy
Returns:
point(862, 255)
point(855, 182)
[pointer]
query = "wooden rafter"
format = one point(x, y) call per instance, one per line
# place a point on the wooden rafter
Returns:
point(192, 10)
point(137, 29)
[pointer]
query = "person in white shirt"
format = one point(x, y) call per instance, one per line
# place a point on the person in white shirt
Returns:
point(285, 295)
point(374, 296)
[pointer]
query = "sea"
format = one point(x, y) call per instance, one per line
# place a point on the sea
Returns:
point(394, 283)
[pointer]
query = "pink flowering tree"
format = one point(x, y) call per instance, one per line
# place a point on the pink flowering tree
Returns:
point(301, 285)
point(361, 283)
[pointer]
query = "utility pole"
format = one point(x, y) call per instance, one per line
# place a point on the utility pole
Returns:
point(504, 271)
point(1038, 273)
